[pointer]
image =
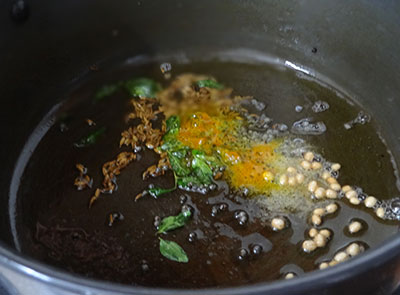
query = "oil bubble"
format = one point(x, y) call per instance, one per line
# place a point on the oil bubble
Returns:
point(306, 127)
point(320, 106)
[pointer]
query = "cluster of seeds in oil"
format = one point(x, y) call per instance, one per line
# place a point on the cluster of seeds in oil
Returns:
point(350, 251)
point(326, 186)
point(318, 239)
point(292, 177)
point(318, 213)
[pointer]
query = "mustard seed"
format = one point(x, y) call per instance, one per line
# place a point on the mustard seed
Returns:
point(355, 201)
point(335, 167)
point(312, 232)
point(335, 186)
point(278, 223)
point(319, 211)
point(331, 194)
point(299, 178)
point(309, 246)
point(283, 179)
point(312, 186)
point(370, 202)
point(326, 175)
point(290, 275)
point(316, 219)
point(319, 193)
point(331, 180)
point(316, 165)
point(309, 156)
point(380, 212)
point(351, 194)
point(333, 263)
point(320, 240)
point(326, 233)
point(292, 181)
point(331, 208)
point(306, 165)
point(323, 265)
point(355, 227)
point(353, 249)
point(341, 256)
point(346, 188)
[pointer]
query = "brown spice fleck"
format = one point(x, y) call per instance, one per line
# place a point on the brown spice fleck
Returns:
point(83, 180)
point(90, 122)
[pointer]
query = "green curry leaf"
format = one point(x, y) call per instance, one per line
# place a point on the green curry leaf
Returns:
point(210, 84)
point(178, 164)
point(142, 87)
point(173, 251)
point(173, 222)
point(105, 91)
point(173, 124)
point(157, 191)
point(188, 180)
point(90, 139)
point(201, 169)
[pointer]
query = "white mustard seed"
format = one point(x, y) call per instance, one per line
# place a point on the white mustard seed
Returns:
point(320, 240)
point(316, 165)
point(370, 202)
point(336, 167)
point(331, 208)
point(331, 180)
point(278, 223)
point(351, 194)
point(292, 181)
point(355, 227)
point(341, 256)
point(283, 179)
point(331, 194)
point(323, 265)
point(346, 188)
point(313, 232)
point(335, 186)
point(319, 193)
point(299, 178)
point(291, 169)
point(309, 156)
point(316, 219)
point(326, 175)
point(333, 263)
point(380, 212)
point(306, 165)
point(355, 201)
point(290, 275)
point(309, 246)
point(353, 249)
point(326, 233)
point(312, 186)
point(319, 211)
